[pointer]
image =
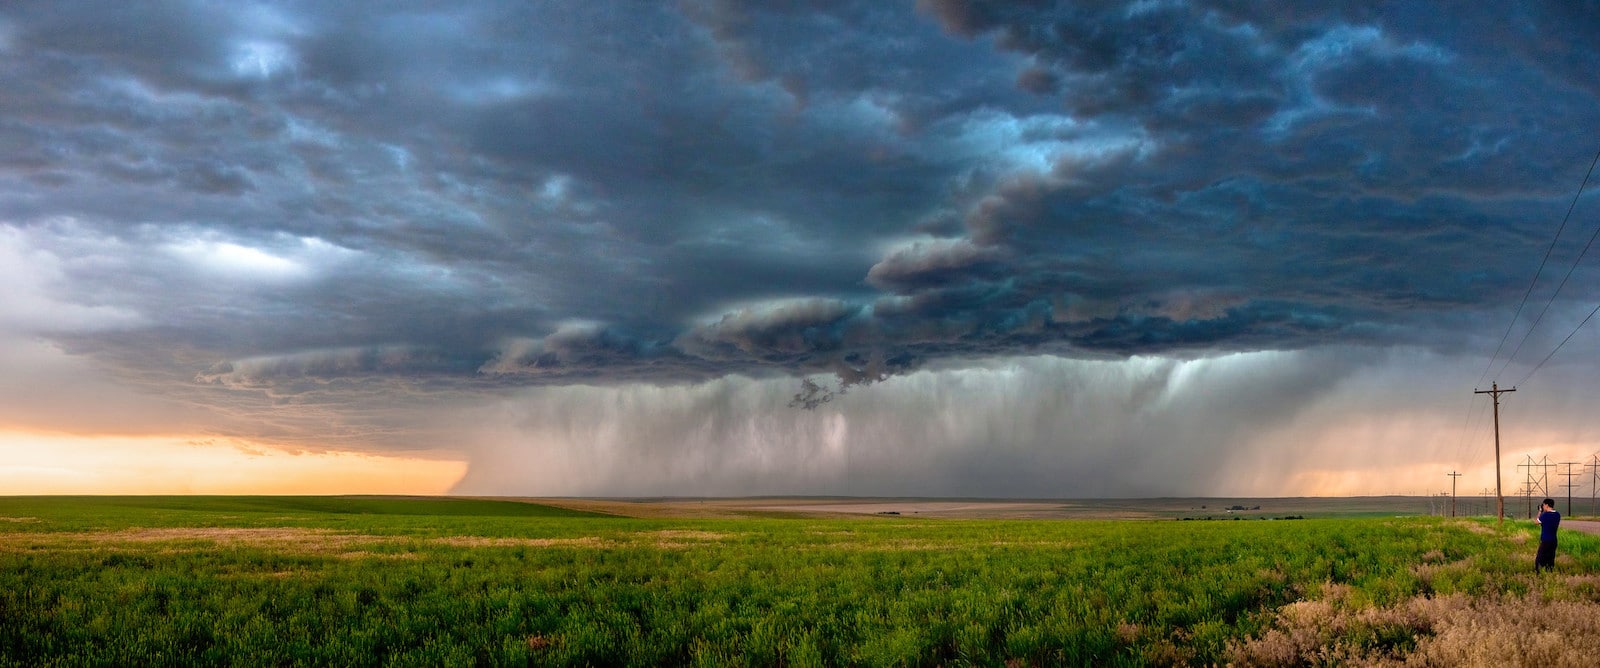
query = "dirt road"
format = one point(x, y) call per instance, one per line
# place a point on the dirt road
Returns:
point(1586, 526)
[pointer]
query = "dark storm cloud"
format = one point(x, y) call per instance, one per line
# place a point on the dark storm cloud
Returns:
point(298, 200)
point(934, 263)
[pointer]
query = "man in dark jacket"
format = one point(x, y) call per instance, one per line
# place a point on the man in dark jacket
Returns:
point(1548, 520)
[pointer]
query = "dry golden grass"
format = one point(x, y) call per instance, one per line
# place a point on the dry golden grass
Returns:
point(670, 538)
point(278, 539)
point(1455, 630)
point(1474, 527)
point(678, 539)
point(1513, 632)
point(482, 541)
point(364, 554)
point(1556, 624)
point(327, 541)
point(682, 534)
point(301, 539)
point(228, 535)
point(885, 545)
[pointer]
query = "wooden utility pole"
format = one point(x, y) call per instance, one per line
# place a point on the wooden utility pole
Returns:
point(1453, 475)
point(1494, 391)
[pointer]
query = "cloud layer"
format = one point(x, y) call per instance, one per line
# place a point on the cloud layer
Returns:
point(323, 223)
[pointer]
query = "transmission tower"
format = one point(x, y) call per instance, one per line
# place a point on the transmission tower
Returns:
point(1528, 484)
point(1569, 484)
point(1594, 483)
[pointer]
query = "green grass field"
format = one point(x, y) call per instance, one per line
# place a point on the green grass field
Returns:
point(391, 581)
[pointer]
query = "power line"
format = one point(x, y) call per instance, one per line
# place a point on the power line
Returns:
point(1478, 435)
point(1536, 275)
point(1463, 449)
point(1564, 341)
point(1470, 432)
point(1570, 208)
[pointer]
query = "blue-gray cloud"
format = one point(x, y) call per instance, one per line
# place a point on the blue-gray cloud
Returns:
point(326, 204)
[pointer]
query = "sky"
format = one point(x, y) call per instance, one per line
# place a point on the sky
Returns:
point(853, 247)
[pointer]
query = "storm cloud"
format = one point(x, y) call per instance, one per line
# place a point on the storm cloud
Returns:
point(331, 225)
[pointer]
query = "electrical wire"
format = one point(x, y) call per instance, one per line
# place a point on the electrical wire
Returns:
point(1570, 208)
point(1564, 341)
point(1473, 410)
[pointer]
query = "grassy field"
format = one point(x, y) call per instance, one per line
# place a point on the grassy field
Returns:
point(392, 581)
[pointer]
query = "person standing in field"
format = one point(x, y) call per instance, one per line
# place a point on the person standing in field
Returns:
point(1548, 520)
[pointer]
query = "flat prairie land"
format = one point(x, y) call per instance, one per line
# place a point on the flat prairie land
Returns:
point(457, 582)
point(1157, 508)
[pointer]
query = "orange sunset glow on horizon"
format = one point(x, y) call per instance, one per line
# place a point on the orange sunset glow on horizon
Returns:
point(44, 463)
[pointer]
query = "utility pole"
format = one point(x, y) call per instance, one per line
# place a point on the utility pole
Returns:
point(1494, 392)
point(1453, 475)
point(1569, 484)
